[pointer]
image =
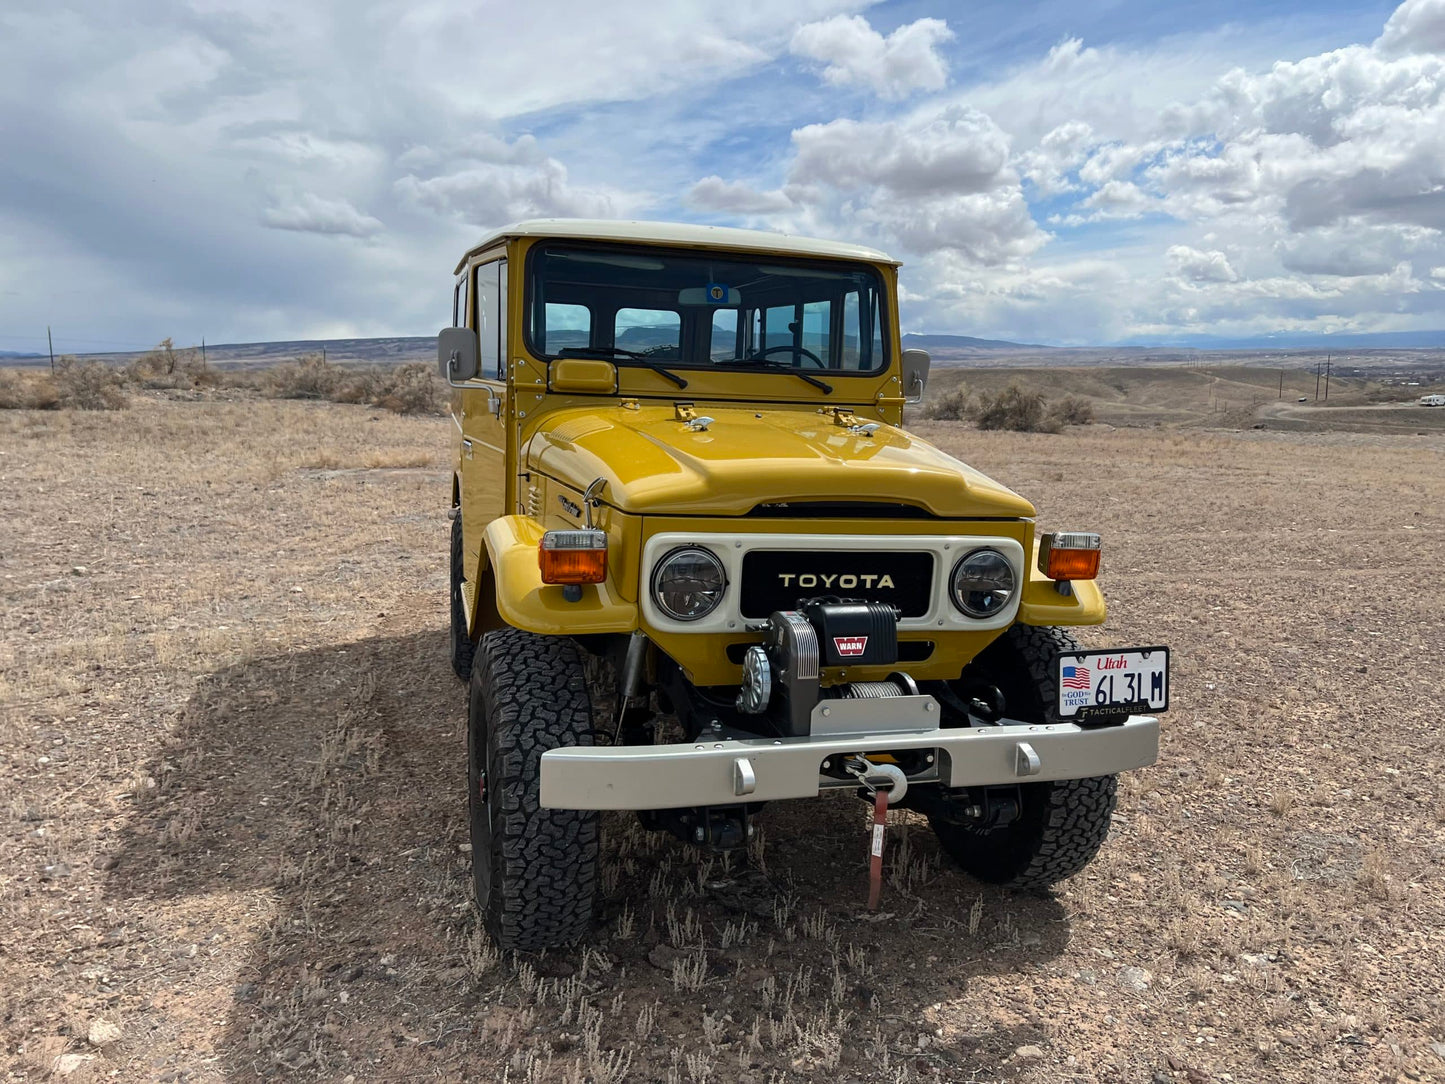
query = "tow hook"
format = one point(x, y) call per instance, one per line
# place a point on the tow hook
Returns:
point(873, 776)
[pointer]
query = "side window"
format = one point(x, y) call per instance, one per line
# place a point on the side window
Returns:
point(488, 296)
point(656, 331)
point(875, 323)
point(778, 327)
point(817, 329)
point(724, 344)
point(566, 325)
point(459, 303)
point(853, 345)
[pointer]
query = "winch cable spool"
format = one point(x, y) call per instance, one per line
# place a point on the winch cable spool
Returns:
point(870, 775)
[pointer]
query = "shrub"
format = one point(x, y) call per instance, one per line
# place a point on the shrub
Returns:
point(1014, 408)
point(1072, 410)
point(89, 385)
point(167, 367)
point(409, 389)
point(954, 405)
point(27, 391)
point(308, 377)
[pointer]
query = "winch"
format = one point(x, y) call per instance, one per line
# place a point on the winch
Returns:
point(781, 675)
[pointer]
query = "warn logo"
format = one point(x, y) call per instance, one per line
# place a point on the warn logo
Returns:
point(850, 646)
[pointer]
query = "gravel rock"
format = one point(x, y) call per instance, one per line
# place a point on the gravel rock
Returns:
point(1134, 978)
point(70, 1063)
point(1029, 1053)
point(103, 1033)
point(54, 873)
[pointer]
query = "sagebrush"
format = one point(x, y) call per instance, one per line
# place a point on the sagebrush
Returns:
point(405, 389)
point(1015, 408)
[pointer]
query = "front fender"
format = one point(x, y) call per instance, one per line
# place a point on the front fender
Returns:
point(525, 602)
point(1041, 603)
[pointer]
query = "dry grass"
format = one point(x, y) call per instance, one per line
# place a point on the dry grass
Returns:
point(224, 706)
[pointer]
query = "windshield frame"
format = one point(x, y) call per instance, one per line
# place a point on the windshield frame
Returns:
point(738, 367)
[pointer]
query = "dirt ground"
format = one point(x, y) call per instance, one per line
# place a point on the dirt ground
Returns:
point(233, 844)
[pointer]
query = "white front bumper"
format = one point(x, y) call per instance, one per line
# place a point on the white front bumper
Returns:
point(769, 769)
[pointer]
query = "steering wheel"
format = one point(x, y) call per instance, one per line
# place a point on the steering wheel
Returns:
point(796, 351)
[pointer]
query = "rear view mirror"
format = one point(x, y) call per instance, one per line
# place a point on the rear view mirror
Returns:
point(457, 354)
point(915, 364)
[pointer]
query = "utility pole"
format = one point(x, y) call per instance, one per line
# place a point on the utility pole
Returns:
point(51, 343)
point(1327, 377)
point(1281, 383)
point(203, 351)
point(1317, 381)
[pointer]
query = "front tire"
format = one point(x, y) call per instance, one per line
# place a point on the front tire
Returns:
point(534, 870)
point(1063, 823)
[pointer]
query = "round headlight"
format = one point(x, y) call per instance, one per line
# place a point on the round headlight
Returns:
point(688, 583)
point(983, 583)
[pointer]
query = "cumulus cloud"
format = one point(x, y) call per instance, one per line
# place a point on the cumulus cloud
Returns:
point(1191, 265)
point(503, 182)
point(310, 213)
point(854, 54)
point(1417, 26)
point(736, 197)
point(937, 180)
point(959, 150)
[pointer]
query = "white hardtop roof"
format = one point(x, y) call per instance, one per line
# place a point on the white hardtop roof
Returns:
point(679, 233)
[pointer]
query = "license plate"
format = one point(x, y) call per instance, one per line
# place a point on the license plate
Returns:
point(1094, 683)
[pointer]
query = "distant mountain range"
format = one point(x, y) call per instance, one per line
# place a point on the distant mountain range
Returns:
point(945, 348)
point(1375, 340)
point(914, 341)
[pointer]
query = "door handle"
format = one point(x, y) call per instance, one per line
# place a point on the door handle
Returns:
point(467, 447)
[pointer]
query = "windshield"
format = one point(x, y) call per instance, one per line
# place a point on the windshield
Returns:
point(694, 310)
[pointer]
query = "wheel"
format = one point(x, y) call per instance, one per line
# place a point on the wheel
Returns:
point(1061, 824)
point(534, 869)
point(460, 640)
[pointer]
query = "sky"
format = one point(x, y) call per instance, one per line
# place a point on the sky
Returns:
point(1071, 173)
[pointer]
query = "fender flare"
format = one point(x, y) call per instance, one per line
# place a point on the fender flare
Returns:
point(1041, 603)
point(523, 601)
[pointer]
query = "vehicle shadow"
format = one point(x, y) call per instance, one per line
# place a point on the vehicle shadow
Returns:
point(297, 879)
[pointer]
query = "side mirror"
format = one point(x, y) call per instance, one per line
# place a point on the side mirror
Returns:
point(457, 354)
point(915, 365)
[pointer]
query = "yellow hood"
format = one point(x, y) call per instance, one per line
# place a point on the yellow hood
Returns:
point(655, 464)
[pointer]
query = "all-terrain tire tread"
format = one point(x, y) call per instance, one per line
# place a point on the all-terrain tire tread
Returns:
point(1071, 822)
point(545, 861)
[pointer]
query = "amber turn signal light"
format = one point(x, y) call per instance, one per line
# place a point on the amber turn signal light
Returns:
point(1069, 555)
point(578, 556)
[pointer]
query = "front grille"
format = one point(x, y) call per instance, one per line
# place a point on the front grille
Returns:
point(777, 579)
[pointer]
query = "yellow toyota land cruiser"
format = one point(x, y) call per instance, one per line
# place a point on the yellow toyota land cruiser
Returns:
point(697, 565)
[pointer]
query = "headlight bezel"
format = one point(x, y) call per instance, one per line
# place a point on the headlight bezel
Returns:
point(960, 597)
point(655, 582)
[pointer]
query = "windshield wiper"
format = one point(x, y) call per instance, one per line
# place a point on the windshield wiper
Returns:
point(778, 367)
point(618, 352)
